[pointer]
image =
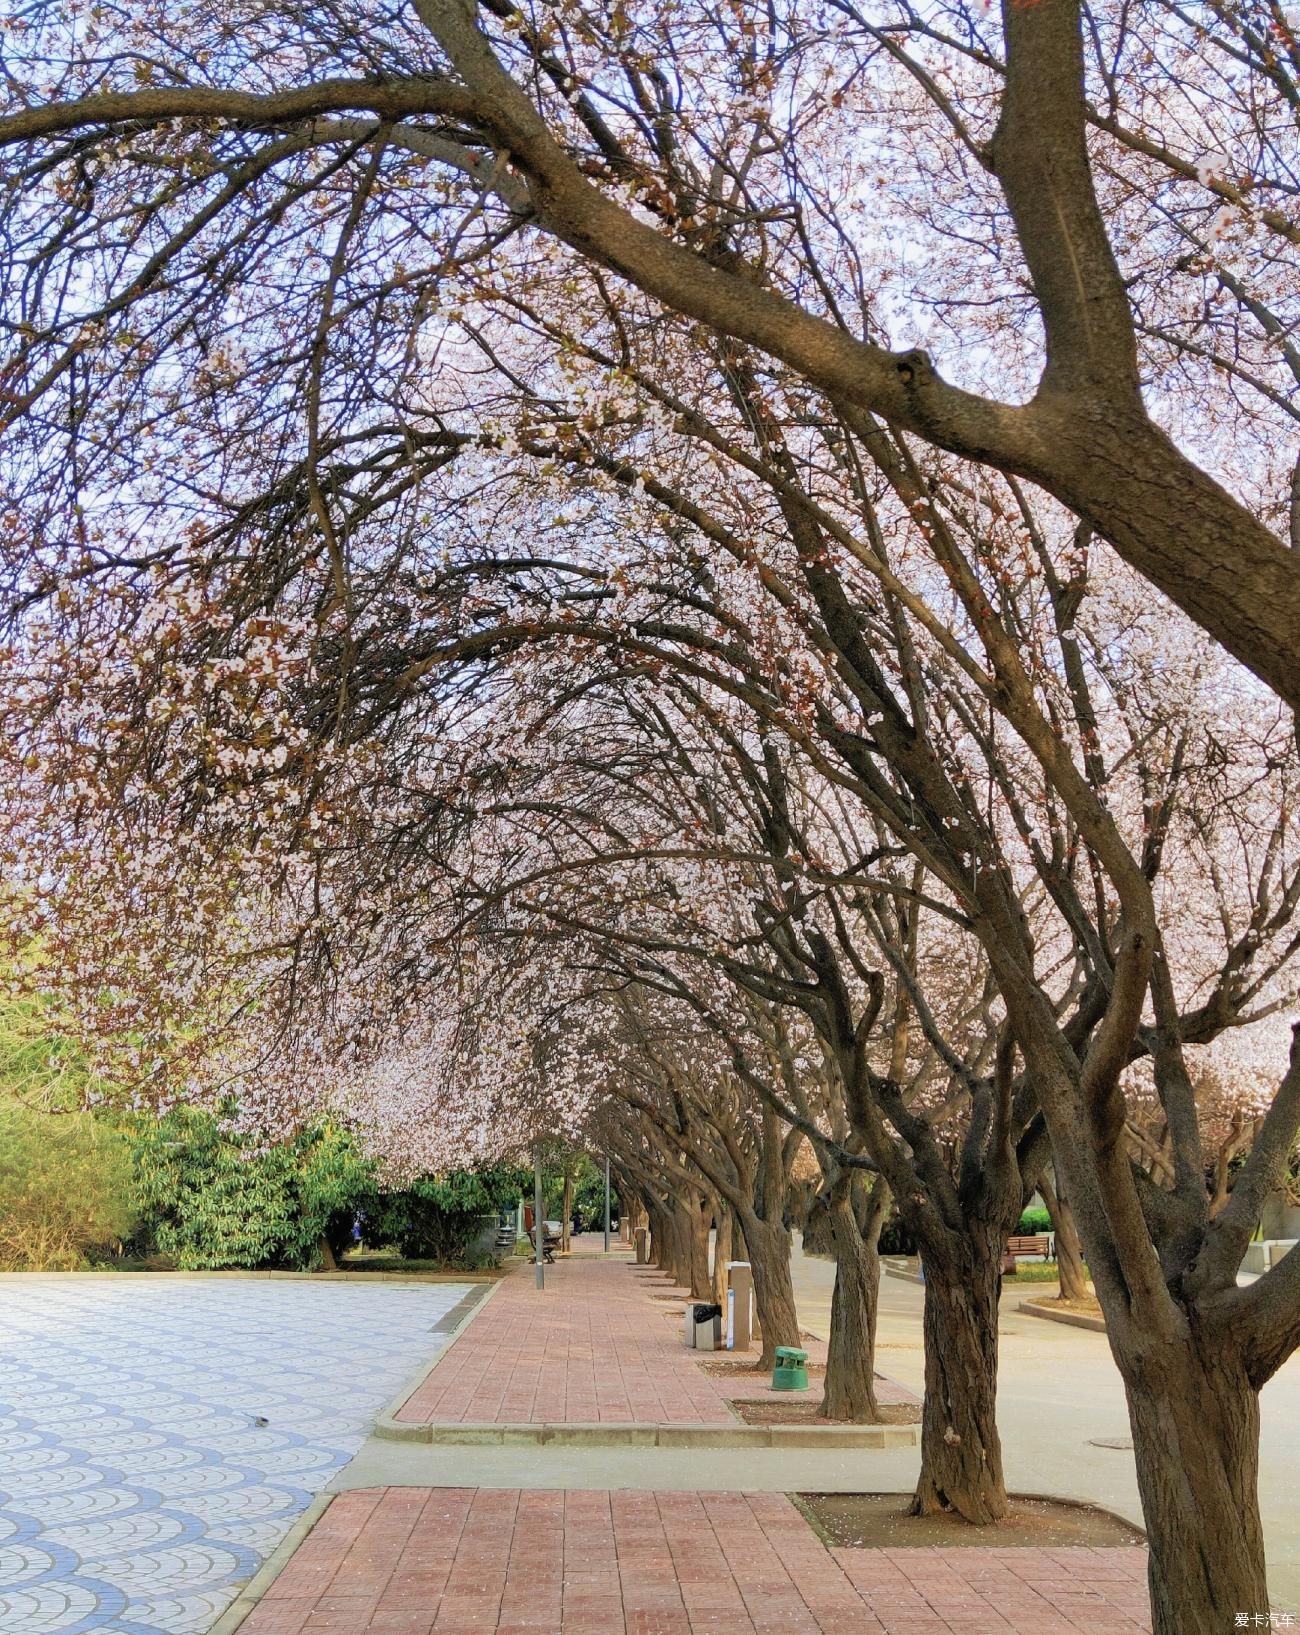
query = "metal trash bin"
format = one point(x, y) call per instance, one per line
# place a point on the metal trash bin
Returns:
point(703, 1326)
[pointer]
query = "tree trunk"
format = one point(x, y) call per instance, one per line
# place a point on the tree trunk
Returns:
point(721, 1255)
point(1069, 1250)
point(818, 1235)
point(768, 1246)
point(660, 1242)
point(701, 1217)
point(961, 1455)
point(328, 1262)
point(1195, 1419)
point(673, 1254)
point(850, 1391)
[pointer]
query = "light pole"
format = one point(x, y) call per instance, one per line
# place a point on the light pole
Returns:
point(539, 1230)
point(606, 1203)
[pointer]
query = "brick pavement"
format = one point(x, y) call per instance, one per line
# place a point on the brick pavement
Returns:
point(594, 1346)
point(460, 1561)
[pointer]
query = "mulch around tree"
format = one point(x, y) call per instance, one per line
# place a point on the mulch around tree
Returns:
point(782, 1411)
point(879, 1521)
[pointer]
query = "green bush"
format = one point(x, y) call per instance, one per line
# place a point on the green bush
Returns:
point(439, 1217)
point(214, 1199)
point(66, 1189)
point(1033, 1223)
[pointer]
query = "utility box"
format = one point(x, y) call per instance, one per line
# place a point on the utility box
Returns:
point(703, 1326)
point(740, 1305)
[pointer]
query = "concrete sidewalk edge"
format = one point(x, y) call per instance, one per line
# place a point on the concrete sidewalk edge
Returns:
point(272, 1567)
point(899, 1270)
point(474, 1303)
point(610, 1434)
point(1075, 1319)
point(481, 1291)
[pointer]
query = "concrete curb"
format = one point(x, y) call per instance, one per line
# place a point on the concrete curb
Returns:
point(272, 1567)
point(473, 1304)
point(611, 1435)
point(1075, 1319)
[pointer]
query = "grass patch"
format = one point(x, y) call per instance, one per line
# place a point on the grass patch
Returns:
point(1035, 1271)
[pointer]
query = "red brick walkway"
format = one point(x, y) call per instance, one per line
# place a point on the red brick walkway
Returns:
point(459, 1561)
point(593, 1346)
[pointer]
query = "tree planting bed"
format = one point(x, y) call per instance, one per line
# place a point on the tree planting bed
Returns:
point(879, 1521)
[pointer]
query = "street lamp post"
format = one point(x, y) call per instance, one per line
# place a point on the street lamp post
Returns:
point(539, 1229)
point(606, 1203)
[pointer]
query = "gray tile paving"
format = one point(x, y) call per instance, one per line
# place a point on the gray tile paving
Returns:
point(159, 1437)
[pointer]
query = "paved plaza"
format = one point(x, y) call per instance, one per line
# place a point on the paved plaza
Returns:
point(160, 1435)
point(447, 1561)
point(142, 1488)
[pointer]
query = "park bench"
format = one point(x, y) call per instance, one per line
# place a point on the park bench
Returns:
point(1018, 1249)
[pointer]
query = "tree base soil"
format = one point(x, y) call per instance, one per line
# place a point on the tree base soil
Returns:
point(880, 1521)
point(746, 1364)
point(785, 1412)
point(1088, 1305)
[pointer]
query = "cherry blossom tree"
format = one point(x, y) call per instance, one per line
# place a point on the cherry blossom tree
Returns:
point(809, 184)
point(430, 347)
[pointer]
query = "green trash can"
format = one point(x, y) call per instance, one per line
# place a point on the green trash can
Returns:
point(791, 1371)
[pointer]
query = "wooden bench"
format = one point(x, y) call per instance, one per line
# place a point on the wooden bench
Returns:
point(1018, 1249)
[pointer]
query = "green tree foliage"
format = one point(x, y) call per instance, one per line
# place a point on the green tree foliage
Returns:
point(587, 1175)
point(589, 1196)
point(38, 1068)
point(41, 1069)
point(440, 1217)
point(211, 1198)
point(65, 1188)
